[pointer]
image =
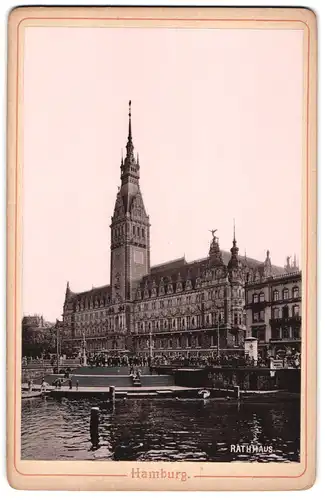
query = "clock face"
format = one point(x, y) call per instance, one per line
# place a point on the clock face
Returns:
point(138, 256)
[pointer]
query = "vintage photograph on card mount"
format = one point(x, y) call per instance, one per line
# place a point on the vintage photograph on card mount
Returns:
point(163, 182)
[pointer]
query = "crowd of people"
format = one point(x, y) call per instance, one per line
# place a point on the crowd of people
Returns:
point(103, 359)
point(290, 359)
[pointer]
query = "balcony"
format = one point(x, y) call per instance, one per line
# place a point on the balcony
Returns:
point(257, 306)
point(284, 340)
point(292, 320)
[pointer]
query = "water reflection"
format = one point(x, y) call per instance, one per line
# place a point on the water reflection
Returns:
point(164, 430)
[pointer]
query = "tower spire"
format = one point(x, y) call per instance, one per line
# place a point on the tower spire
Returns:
point(129, 145)
point(68, 292)
point(130, 124)
point(234, 259)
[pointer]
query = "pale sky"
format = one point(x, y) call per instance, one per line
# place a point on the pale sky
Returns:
point(217, 122)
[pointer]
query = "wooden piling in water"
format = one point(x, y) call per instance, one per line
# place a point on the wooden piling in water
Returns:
point(237, 391)
point(112, 393)
point(94, 426)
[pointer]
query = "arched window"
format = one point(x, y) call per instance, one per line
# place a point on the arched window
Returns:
point(285, 294)
point(276, 313)
point(295, 292)
point(142, 232)
point(255, 298)
point(262, 297)
point(276, 295)
point(295, 311)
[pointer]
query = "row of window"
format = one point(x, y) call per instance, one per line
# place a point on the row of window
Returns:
point(258, 316)
point(136, 231)
point(284, 312)
point(175, 343)
point(260, 297)
point(111, 324)
point(90, 331)
point(188, 341)
point(278, 312)
point(279, 333)
point(91, 316)
point(187, 299)
point(162, 290)
point(93, 304)
point(178, 323)
point(286, 332)
point(286, 294)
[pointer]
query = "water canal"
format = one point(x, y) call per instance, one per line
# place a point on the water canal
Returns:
point(161, 430)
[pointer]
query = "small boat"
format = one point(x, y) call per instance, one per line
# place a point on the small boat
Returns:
point(204, 393)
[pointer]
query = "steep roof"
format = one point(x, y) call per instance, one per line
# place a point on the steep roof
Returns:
point(94, 292)
point(181, 269)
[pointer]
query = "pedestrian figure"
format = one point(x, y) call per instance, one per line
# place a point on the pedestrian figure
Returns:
point(70, 384)
point(77, 385)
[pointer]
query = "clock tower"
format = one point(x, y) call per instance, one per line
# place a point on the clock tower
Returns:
point(130, 229)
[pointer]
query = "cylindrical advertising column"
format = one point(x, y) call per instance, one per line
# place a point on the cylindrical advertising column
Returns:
point(251, 348)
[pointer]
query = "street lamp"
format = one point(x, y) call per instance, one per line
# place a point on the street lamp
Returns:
point(218, 336)
point(57, 348)
point(150, 345)
point(84, 349)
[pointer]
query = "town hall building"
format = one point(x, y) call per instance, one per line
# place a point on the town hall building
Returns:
point(178, 307)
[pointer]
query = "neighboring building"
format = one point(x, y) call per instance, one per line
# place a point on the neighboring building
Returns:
point(273, 311)
point(37, 335)
point(178, 306)
point(34, 320)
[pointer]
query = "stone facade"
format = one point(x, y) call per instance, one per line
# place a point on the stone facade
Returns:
point(176, 307)
point(273, 311)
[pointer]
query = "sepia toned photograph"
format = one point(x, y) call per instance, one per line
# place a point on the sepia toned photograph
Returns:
point(163, 263)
